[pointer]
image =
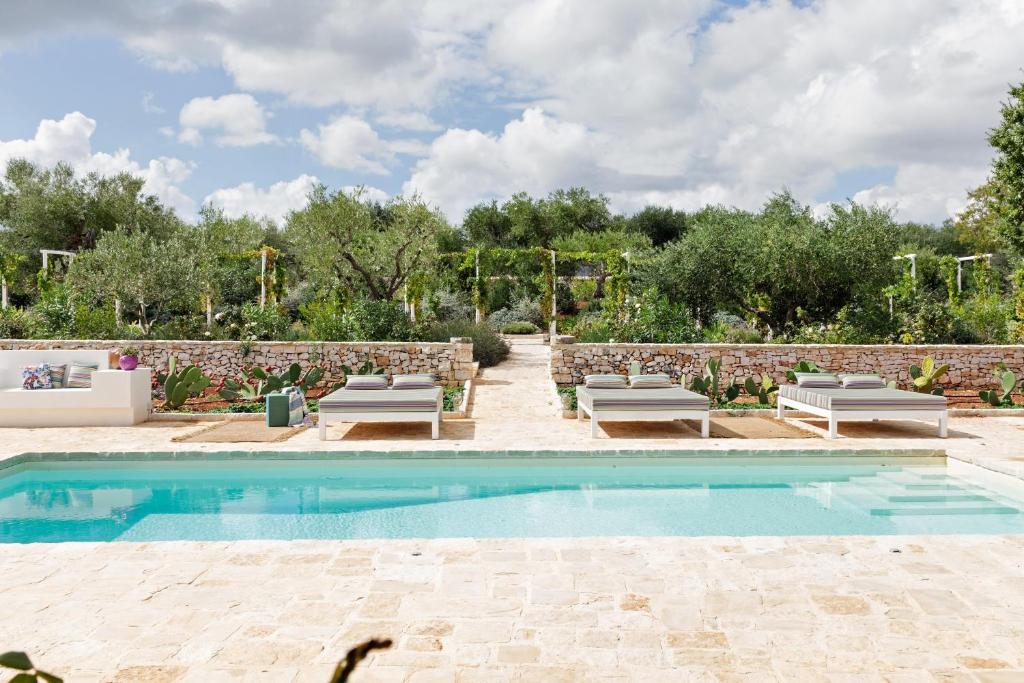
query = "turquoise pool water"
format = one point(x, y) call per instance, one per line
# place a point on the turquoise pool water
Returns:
point(432, 498)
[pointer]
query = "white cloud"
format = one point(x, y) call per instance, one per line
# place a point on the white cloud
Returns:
point(408, 120)
point(274, 202)
point(926, 192)
point(368, 193)
point(535, 153)
point(69, 140)
point(350, 143)
point(239, 119)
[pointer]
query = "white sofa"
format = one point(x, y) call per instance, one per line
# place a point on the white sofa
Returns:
point(117, 398)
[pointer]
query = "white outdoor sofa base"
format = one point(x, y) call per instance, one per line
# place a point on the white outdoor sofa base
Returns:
point(675, 404)
point(382, 405)
point(938, 414)
point(116, 398)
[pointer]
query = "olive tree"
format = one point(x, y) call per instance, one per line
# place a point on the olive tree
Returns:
point(150, 275)
point(345, 242)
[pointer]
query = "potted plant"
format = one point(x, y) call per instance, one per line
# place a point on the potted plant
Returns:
point(129, 358)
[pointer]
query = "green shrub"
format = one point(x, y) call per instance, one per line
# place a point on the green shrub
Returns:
point(488, 348)
point(449, 305)
point(568, 396)
point(53, 314)
point(13, 323)
point(452, 399)
point(652, 319)
point(325, 321)
point(583, 290)
point(590, 329)
point(96, 322)
point(520, 327)
point(377, 321)
point(264, 324)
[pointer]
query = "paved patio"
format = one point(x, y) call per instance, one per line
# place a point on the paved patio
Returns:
point(899, 609)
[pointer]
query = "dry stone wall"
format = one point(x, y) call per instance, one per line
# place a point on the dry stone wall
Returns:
point(970, 366)
point(451, 362)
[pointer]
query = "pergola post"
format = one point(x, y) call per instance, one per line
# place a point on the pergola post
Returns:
point(3, 292)
point(553, 326)
point(263, 278)
point(478, 316)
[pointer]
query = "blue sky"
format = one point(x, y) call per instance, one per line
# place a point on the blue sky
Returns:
point(246, 103)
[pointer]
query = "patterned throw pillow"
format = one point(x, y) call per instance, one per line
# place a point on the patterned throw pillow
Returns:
point(417, 381)
point(605, 381)
point(817, 380)
point(863, 382)
point(296, 406)
point(58, 373)
point(80, 375)
point(366, 382)
point(36, 377)
point(650, 382)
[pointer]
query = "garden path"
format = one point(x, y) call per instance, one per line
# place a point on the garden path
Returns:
point(517, 391)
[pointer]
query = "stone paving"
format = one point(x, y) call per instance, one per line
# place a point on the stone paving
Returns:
point(841, 609)
point(669, 609)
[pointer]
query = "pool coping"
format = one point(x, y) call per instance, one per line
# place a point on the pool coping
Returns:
point(462, 456)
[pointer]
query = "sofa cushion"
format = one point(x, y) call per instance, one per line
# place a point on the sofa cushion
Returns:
point(58, 374)
point(36, 377)
point(80, 376)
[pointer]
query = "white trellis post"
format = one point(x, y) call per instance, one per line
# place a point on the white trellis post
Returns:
point(263, 278)
point(3, 291)
point(553, 327)
point(479, 294)
point(960, 267)
point(47, 253)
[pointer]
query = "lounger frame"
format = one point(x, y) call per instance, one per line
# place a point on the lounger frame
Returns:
point(597, 416)
point(432, 416)
point(834, 417)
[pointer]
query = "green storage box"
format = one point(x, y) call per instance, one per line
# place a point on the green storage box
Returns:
point(277, 410)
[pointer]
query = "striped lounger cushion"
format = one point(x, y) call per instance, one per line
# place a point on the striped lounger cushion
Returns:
point(813, 380)
point(650, 381)
point(863, 399)
point(649, 400)
point(605, 381)
point(862, 382)
point(387, 401)
point(366, 382)
point(418, 381)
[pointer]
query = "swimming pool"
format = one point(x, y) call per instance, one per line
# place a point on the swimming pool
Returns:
point(430, 497)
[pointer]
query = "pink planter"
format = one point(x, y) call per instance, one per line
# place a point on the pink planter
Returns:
point(128, 362)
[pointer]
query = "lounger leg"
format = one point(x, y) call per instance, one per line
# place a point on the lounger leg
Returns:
point(943, 419)
point(579, 413)
point(593, 425)
point(435, 427)
point(778, 408)
point(705, 426)
point(322, 424)
point(833, 427)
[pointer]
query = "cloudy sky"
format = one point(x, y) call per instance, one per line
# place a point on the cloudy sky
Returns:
point(247, 103)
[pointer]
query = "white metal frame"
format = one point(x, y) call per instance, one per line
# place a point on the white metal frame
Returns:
point(652, 415)
point(834, 417)
point(433, 417)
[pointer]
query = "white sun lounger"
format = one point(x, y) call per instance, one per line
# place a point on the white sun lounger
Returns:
point(848, 405)
point(382, 405)
point(642, 405)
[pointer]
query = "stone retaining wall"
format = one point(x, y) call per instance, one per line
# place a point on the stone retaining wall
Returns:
point(451, 362)
point(970, 365)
